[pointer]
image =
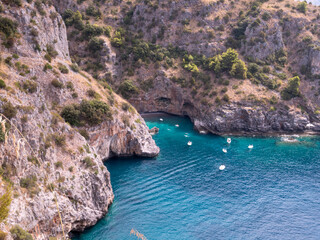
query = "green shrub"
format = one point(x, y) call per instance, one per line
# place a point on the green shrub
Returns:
point(95, 44)
point(127, 89)
point(29, 86)
point(266, 81)
point(39, 7)
point(266, 16)
point(93, 94)
point(13, 3)
point(63, 69)
point(266, 69)
point(84, 133)
point(228, 59)
point(33, 160)
point(73, 18)
point(253, 68)
point(189, 65)
point(60, 140)
point(125, 106)
point(9, 110)
point(74, 67)
point(5, 201)
point(107, 31)
point(57, 84)
point(58, 164)
point(91, 112)
point(9, 28)
point(51, 51)
point(90, 31)
point(2, 84)
point(292, 89)
point(89, 163)
point(273, 100)
point(29, 182)
point(281, 57)
point(18, 233)
point(225, 98)
point(215, 64)
point(239, 70)
point(93, 11)
point(117, 40)
point(302, 7)
point(2, 134)
point(46, 67)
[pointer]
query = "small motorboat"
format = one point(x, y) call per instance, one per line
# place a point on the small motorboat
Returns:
point(229, 140)
point(224, 150)
point(177, 125)
point(250, 146)
point(186, 135)
point(161, 119)
point(189, 143)
point(203, 132)
point(222, 167)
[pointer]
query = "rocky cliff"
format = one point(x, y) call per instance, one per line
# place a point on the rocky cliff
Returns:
point(52, 175)
point(239, 67)
point(164, 55)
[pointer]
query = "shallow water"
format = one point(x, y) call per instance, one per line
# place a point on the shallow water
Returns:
point(269, 192)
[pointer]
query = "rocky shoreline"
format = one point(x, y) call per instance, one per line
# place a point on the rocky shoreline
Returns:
point(205, 127)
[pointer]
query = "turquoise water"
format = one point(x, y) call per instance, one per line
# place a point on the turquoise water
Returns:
point(269, 192)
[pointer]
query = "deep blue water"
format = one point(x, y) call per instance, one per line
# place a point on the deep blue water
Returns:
point(269, 192)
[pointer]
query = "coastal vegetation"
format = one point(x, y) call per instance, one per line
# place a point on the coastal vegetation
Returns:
point(18, 233)
point(90, 112)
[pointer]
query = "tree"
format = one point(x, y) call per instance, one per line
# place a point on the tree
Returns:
point(292, 89)
point(302, 7)
point(239, 69)
point(228, 59)
point(117, 40)
point(95, 44)
point(215, 64)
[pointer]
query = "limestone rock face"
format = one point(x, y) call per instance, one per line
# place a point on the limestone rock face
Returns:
point(263, 40)
point(315, 60)
point(55, 169)
point(251, 120)
point(122, 141)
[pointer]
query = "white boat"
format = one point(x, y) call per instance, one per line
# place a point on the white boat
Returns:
point(250, 146)
point(177, 125)
point(161, 119)
point(229, 140)
point(222, 167)
point(186, 135)
point(224, 150)
point(189, 143)
point(203, 132)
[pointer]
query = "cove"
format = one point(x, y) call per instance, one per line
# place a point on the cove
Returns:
point(269, 192)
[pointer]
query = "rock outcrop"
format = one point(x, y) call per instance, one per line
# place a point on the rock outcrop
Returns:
point(52, 169)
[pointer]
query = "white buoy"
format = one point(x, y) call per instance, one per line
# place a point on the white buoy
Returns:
point(224, 150)
point(222, 167)
point(229, 140)
point(189, 143)
point(161, 119)
point(177, 125)
point(250, 146)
